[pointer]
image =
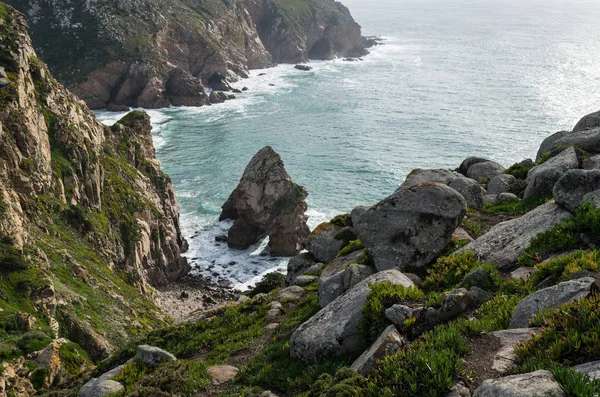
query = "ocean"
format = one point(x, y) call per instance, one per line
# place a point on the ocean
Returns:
point(452, 78)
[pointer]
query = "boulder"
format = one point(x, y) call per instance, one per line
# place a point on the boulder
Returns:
point(101, 388)
point(303, 281)
point(485, 171)
point(153, 356)
point(398, 314)
point(574, 185)
point(588, 140)
point(331, 282)
point(478, 277)
point(522, 272)
point(304, 68)
point(550, 298)
point(386, 344)
point(506, 241)
point(266, 201)
point(500, 184)
point(216, 97)
point(548, 144)
point(504, 198)
point(490, 199)
point(506, 357)
point(218, 82)
point(541, 179)
point(420, 176)
point(221, 374)
point(471, 190)
point(356, 273)
point(591, 163)
point(326, 240)
point(334, 330)
point(468, 162)
point(587, 122)
point(454, 304)
point(535, 384)
point(591, 369)
point(297, 266)
point(292, 293)
point(411, 227)
point(459, 390)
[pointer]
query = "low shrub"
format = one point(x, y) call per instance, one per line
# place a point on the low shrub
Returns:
point(354, 245)
point(33, 341)
point(516, 207)
point(345, 383)
point(342, 220)
point(270, 281)
point(519, 170)
point(448, 271)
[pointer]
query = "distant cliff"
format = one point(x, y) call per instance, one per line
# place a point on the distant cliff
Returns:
point(153, 53)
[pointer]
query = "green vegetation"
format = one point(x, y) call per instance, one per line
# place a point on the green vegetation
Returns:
point(11, 259)
point(556, 150)
point(519, 170)
point(516, 207)
point(341, 220)
point(73, 359)
point(269, 282)
point(354, 245)
point(382, 297)
point(33, 341)
point(345, 383)
point(449, 271)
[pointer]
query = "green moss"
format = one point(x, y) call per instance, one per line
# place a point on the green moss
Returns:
point(516, 207)
point(11, 259)
point(135, 119)
point(345, 383)
point(381, 297)
point(33, 341)
point(341, 220)
point(519, 170)
point(38, 378)
point(352, 246)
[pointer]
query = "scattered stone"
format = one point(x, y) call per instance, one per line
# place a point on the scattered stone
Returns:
point(292, 293)
point(591, 369)
point(225, 284)
point(411, 227)
point(276, 305)
point(574, 187)
point(522, 272)
point(298, 266)
point(245, 89)
point(500, 184)
point(221, 374)
point(535, 384)
point(541, 179)
point(485, 171)
point(216, 97)
point(471, 190)
point(273, 314)
point(266, 201)
point(455, 303)
point(184, 295)
point(398, 314)
point(489, 199)
point(386, 344)
point(504, 198)
point(505, 358)
point(153, 356)
point(479, 296)
point(304, 68)
point(334, 330)
point(272, 326)
point(587, 122)
point(236, 91)
point(506, 241)
point(549, 298)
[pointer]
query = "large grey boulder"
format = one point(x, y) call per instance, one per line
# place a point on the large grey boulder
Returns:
point(153, 356)
point(541, 179)
point(468, 162)
point(504, 198)
point(411, 227)
point(470, 189)
point(389, 342)
point(500, 184)
point(574, 185)
point(267, 202)
point(535, 384)
point(549, 143)
point(420, 176)
point(591, 120)
point(298, 266)
point(550, 298)
point(591, 163)
point(356, 273)
point(591, 369)
point(101, 388)
point(324, 242)
point(505, 358)
point(588, 140)
point(334, 330)
point(331, 282)
point(506, 241)
point(485, 171)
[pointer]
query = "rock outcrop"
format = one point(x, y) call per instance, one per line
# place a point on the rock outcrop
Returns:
point(541, 179)
point(411, 227)
point(589, 121)
point(267, 202)
point(576, 187)
point(534, 384)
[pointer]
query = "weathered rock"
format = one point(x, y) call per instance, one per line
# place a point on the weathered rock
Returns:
point(522, 272)
point(500, 183)
point(588, 140)
point(505, 358)
point(485, 171)
point(490, 199)
point(455, 303)
point(479, 296)
point(459, 390)
point(356, 273)
point(591, 120)
point(216, 97)
point(478, 277)
point(505, 242)
point(411, 227)
point(461, 234)
point(331, 282)
point(549, 298)
point(298, 266)
point(591, 163)
point(534, 384)
point(541, 179)
point(591, 369)
point(292, 293)
point(398, 314)
point(153, 356)
point(468, 162)
point(574, 185)
point(335, 329)
point(221, 374)
point(303, 281)
point(471, 190)
point(386, 344)
point(304, 68)
point(325, 241)
point(266, 201)
point(420, 176)
point(218, 82)
point(504, 198)
point(101, 388)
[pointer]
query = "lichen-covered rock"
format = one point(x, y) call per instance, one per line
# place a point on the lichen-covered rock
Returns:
point(468, 162)
point(326, 240)
point(293, 293)
point(591, 120)
point(298, 266)
point(485, 171)
point(411, 227)
point(506, 241)
point(420, 176)
point(153, 356)
point(398, 314)
point(454, 303)
point(588, 140)
point(266, 201)
point(572, 188)
point(550, 298)
point(500, 184)
point(332, 280)
point(535, 384)
point(386, 344)
point(334, 330)
point(504, 198)
point(591, 163)
point(591, 369)
point(471, 190)
point(541, 179)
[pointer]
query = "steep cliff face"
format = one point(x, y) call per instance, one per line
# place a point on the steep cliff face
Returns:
point(88, 221)
point(153, 53)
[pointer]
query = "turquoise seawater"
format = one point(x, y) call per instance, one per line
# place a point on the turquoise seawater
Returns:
point(453, 78)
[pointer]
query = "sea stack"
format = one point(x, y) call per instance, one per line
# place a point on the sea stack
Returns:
point(267, 202)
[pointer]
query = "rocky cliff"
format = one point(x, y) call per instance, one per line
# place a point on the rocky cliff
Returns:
point(153, 53)
point(88, 221)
